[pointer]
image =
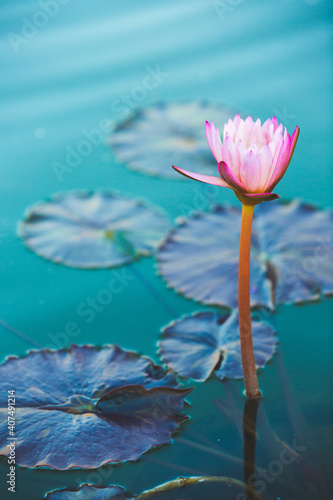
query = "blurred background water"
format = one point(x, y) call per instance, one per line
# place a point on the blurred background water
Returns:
point(61, 79)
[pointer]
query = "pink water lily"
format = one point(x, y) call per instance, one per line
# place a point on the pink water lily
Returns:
point(252, 159)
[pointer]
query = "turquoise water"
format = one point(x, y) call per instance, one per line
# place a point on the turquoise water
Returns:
point(262, 58)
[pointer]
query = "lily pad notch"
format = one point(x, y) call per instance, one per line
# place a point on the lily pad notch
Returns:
point(207, 342)
point(86, 407)
point(291, 247)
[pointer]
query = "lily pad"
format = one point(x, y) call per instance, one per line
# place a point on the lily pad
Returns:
point(93, 230)
point(167, 489)
point(89, 492)
point(290, 255)
point(156, 137)
point(85, 407)
point(198, 345)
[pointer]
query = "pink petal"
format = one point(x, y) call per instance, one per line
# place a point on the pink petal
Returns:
point(275, 123)
point(228, 176)
point(242, 133)
point(250, 172)
point(281, 164)
point(274, 144)
point(209, 135)
point(208, 179)
point(257, 136)
point(231, 155)
point(213, 141)
point(265, 159)
point(240, 146)
point(237, 121)
point(292, 141)
point(268, 130)
point(229, 129)
point(275, 160)
point(217, 141)
point(249, 122)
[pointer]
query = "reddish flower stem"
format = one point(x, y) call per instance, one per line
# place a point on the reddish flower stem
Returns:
point(245, 330)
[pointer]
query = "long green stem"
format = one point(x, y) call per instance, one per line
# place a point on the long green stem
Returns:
point(248, 362)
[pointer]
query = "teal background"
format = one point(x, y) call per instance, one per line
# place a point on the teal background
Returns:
point(264, 58)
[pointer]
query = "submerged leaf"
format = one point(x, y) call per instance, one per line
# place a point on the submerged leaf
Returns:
point(89, 492)
point(291, 249)
point(137, 404)
point(166, 134)
point(206, 342)
point(85, 407)
point(93, 230)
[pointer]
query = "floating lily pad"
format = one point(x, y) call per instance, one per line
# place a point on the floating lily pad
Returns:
point(290, 255)
point(89, 492)
point(93, 230)
point(198, 345)
point(85, 407)
point(160, 492)
point(166, 134)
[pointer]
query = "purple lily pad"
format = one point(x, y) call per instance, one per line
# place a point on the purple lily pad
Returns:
point(160, 492)
point(156, 137)
point(85, 407)
point(200, 259)
point(290, 255)
point(297, 240)
point(198, 345)
point(89, 492)
point(93, 230)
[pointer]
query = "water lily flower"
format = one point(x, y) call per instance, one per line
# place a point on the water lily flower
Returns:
point(252, 159)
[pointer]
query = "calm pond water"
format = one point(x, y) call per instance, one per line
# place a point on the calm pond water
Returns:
point(261, 58)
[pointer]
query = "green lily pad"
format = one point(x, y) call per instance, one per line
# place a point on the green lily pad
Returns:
point(89, 492)
point(93, 230)
point(208, 342)
point(85, 407)
point(156, 137)
point(291, 251)
point(161, 492)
